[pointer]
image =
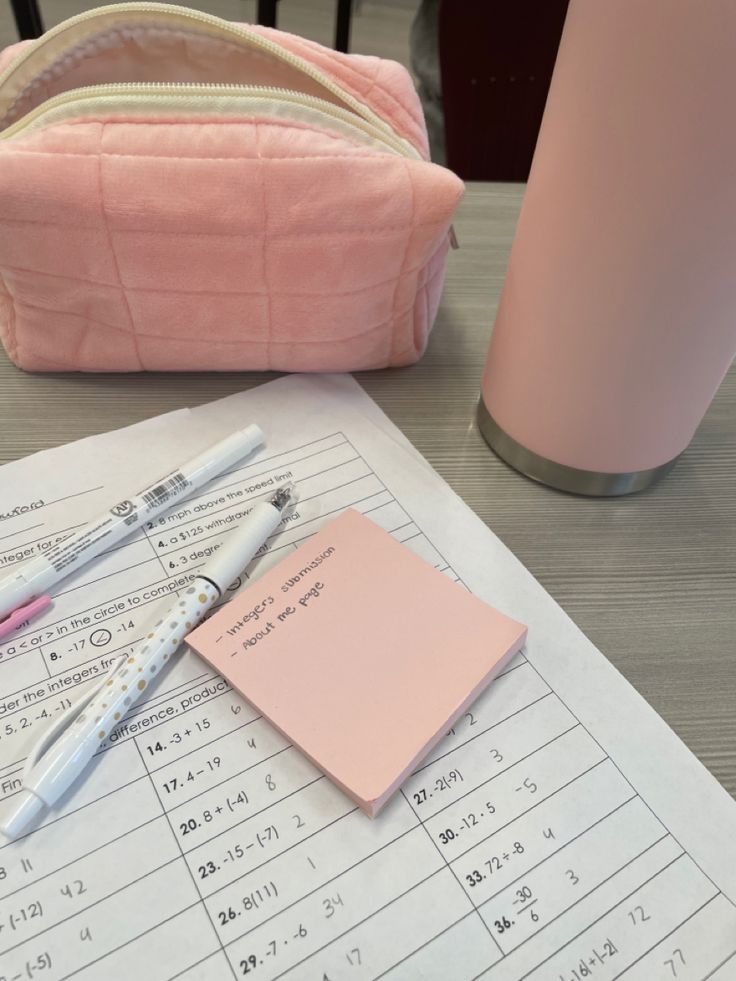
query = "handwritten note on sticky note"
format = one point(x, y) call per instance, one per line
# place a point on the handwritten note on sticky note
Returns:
point(359, 652)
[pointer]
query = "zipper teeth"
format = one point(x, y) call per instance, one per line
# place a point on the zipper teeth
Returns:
point(224, 27)
point(166, 90)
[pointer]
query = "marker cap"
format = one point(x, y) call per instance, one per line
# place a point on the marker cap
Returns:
point(21, 613)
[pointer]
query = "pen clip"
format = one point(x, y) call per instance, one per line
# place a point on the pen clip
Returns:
point(57, 727)
point(31, 609)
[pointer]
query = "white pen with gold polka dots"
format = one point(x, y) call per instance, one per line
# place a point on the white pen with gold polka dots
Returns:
point(68, 746)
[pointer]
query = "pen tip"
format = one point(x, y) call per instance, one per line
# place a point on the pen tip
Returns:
point(284, 497)
point(25, 812)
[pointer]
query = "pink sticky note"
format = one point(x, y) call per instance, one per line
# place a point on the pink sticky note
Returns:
point(359, 652)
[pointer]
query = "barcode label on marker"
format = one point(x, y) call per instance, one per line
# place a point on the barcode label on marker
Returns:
point(161, 493)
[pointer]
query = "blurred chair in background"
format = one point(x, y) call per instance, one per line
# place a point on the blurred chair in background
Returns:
point(27, 19)
point(29, 23)
point(425, 63)
point(496, 59)
point(483, 69)
point(266, 15)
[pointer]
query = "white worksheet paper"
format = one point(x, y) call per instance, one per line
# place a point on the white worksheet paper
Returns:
point(560, 831)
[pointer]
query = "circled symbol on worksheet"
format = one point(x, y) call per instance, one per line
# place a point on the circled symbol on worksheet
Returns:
point(98, 638)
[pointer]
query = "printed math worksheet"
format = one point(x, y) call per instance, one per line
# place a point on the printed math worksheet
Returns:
point(559, 832)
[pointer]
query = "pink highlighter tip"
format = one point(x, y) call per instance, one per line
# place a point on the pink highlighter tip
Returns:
point(13, 620)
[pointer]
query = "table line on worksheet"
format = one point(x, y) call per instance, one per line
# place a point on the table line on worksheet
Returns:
point(563, 846)
point(259, 718)
point(323, 884)
point(532, 807)
point(448, 866)
point(606, 913)
point(156, 555)
point(595, 888)
point(21, 531)
point(89, 609)
point(202, 899)
point(48, 504)
point(232, 776)
point(92, 851)
point(416, 885)
point(255, 476)
point(302, 500)
point(34, 541)
point(110, 895)
point(166, 816)
point(275, 456)
point(191, 967)
point(68, 497)
point(624, 777)
point(470, 913)
point(488, 729)
point(522, 759)
point(719, 966)
point(8, 769)
point(141, 779)
point(144, 707)
point(370, 916)
point(667, 936)
point(45, 663)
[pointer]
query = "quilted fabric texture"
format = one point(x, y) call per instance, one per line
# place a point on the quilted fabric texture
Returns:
point(180, 242)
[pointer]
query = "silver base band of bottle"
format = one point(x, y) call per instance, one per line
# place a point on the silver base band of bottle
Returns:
point(591, 483)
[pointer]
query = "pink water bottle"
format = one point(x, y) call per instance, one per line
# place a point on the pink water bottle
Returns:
point(617, 320)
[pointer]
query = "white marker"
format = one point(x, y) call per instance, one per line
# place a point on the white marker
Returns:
point(65, 749)
point(36, 575)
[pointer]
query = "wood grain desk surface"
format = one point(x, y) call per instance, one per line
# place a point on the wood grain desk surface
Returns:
point(651, 579)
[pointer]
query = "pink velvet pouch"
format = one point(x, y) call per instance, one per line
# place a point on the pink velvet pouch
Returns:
point(181, 193)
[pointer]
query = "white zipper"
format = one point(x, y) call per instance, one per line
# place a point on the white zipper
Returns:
point(123, 12)
point(164, 95)
point(361, 120)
